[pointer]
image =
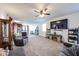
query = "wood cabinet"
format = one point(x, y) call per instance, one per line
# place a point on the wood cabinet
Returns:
point(1, 38)
point(8, 34)
point(16, 27)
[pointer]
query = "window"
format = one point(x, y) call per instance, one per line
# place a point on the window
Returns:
point(24, 28)
point(44, 27)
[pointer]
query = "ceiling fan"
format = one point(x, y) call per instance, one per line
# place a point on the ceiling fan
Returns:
point(42, 12)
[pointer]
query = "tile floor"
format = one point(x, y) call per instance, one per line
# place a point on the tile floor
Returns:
point(39, 46)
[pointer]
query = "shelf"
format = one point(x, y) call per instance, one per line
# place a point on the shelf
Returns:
point(73, 39)
point(73, 29)
point(72, 35)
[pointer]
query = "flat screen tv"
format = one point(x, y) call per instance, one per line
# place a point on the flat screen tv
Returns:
point(59, 24)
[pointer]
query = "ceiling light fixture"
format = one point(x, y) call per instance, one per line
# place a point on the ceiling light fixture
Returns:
point(41, 15)
point(42, 12)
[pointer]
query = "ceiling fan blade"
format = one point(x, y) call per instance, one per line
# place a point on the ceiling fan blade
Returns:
point(45, 9)
point(36, 15)
point(41, 12)
point(46, 13)
point(36, 11)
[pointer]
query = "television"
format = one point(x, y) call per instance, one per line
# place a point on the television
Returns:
point(59, 24)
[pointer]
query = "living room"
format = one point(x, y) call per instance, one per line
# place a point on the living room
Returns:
point(38, 29)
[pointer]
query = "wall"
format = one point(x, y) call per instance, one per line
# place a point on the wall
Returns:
point(3, 15)
point(41, 32)
point(73, 22)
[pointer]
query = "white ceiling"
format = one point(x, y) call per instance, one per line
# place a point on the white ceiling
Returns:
point(25, 11)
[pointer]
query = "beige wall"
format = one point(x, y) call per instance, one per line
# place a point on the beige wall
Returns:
point(41, 33)
point(73, 22)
